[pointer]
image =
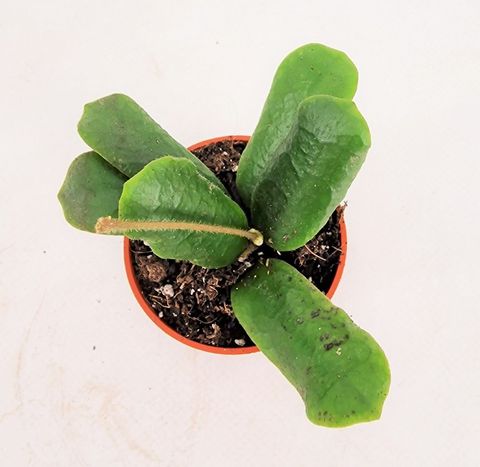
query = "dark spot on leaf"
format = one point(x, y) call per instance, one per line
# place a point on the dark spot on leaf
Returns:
point(308, 370)
point(299, 320)
point(324, 337)
point(330, 345)
point(315, 314)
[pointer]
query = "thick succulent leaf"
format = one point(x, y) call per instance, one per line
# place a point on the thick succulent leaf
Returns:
point(91, 190)
point(310, 174)
point(173, 189)
point(339, 370)
point(309, 70)
point(126, 136)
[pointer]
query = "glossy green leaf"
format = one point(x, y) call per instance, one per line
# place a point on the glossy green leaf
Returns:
point(173, 189)
point(310, 174)
point(91, 190)
point(309, 70)
point(339, 370)
point(126, 136)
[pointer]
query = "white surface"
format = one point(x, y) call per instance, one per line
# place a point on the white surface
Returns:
point(203, 69)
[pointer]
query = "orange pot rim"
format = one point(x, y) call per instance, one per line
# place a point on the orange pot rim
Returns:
point(132, 280)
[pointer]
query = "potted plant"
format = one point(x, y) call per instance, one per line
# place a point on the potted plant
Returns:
point(246, 231)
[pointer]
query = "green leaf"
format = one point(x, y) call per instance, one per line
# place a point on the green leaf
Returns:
point(126, 136)
point(91, 189)
point(310, 174)
point(173, 189)
point(309, 70)
point(339, 370)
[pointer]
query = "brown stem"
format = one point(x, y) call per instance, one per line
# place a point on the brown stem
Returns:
point(107, 225)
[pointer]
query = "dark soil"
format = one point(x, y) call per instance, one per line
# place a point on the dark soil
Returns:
point(195, 301)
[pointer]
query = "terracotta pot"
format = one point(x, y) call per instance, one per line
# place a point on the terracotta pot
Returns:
point(162, 325)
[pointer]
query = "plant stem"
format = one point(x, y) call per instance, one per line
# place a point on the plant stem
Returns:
point(108, 225)
point(247, 252)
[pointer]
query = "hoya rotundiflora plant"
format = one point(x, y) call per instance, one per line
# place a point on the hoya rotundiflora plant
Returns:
point(306, 150)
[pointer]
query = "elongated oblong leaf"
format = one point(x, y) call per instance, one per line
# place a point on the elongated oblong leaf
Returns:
point(173, 189)
point(309, 70)
point(91, 189)
point(310, 174)
point(126, 136)
point(339, 370)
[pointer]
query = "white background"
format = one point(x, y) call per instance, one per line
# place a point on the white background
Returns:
point(87, 380)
